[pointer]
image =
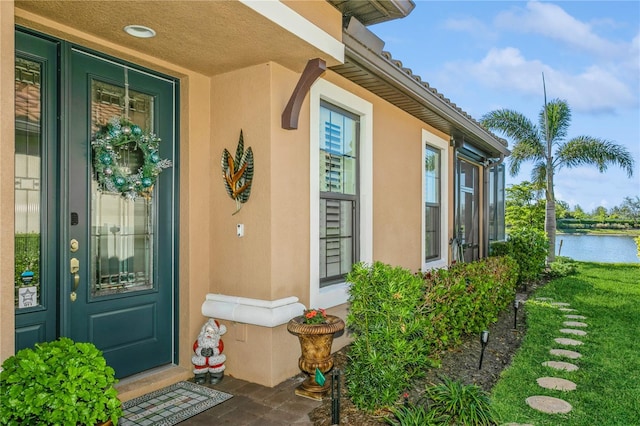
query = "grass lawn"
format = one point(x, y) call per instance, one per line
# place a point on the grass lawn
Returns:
point(608, 381)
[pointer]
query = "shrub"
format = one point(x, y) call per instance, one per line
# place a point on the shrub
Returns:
point(59, 382)
point(414, 415)
point(400, 320)
point(637, 240)
point(562, 267)
point(467, 297)
point(529, 247)
point(460, 404)
point(390, 347)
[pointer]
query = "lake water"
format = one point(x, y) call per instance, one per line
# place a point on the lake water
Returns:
point(598, 248)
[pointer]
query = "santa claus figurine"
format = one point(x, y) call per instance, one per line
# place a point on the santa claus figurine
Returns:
point(208, 356)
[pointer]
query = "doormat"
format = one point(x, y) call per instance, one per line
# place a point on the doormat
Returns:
point(171, 405)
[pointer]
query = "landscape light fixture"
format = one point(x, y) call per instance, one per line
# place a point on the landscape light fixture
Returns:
point(484, 339)
point(335, 397)
point(515, 314)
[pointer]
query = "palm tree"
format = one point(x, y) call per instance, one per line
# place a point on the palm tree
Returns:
point(537, 144)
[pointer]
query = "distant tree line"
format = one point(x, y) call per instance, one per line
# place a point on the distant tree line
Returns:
point(525, 207)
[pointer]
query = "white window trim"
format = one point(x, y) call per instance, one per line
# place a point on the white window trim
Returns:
point(434, 141)
point(338, 294)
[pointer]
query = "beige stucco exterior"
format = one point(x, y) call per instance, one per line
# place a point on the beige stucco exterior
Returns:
point(271, 261)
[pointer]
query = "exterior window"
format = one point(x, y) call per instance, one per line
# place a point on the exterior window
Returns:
point(340, 190)
point(339, 134)
point(432, 206)
point(496, 203)
point(435, 212)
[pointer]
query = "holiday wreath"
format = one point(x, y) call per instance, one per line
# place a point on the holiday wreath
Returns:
point(121, 135)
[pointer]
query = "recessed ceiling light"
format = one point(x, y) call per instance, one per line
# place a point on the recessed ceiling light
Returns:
point(139, 31)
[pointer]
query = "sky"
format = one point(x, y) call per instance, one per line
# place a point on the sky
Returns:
point(488, 55)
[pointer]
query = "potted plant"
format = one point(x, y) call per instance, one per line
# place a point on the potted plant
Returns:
point(59, 382)
point(315, 330)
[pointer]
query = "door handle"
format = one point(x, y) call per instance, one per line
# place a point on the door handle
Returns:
point(74, 267)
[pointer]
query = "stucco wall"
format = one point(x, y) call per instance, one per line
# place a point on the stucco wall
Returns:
point(397, 179)
point(272, 260)
point(7, 148)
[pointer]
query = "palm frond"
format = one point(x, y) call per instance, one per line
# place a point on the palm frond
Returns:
point(527, 142)
point(510, 123)
point(539, 174)
point(587, 150)
point(559, 117)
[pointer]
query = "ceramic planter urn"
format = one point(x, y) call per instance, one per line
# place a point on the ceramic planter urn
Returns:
point(315, 345)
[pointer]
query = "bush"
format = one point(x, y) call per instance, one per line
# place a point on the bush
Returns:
point(562, 267)
point(467, 297)
point(529, 247)
point(414, 415)
point(59, 382)
point(637, 240)
point(390, 347)
point(460, 404)
point(399, 320)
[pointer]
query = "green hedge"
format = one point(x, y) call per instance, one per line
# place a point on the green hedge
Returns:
point(467, 297)
point(401, 320)
point(390, 346)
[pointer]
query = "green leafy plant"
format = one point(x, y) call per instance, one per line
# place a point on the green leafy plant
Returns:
point(637, 240)
point(388, 325)
point(528, 247)
point(460, 404)
point(415, 415)
point(562, 267)
point(467, 298)
point(59, 382)
point(315, 316)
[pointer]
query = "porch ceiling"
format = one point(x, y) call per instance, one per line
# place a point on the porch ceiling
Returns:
point(209, 37)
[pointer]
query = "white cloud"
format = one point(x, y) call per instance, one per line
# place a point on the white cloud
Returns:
point(473, 26)
point(594, 89)
point(552, 21)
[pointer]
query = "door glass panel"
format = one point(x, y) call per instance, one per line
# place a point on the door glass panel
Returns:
point(468, 219)
point(122, 229)
point(28, 167)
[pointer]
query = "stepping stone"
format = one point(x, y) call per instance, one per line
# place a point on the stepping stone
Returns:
point(548, 404)
point(570, 342)
point(575, 316)
point(560, 304)
point(559, 365)
point(568, 310)
point(574, 324)
point(565, 353)
point(556, 383)
point(572, 331)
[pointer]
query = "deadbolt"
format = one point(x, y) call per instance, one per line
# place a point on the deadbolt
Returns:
point(73, 245)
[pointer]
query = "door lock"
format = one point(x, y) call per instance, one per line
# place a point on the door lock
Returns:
point(73, 245)
point(74, 267)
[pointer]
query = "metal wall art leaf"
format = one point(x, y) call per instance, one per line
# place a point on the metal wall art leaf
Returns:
point(237, 173)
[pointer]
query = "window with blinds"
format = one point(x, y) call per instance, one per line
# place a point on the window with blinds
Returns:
point(339, 134)
point(432, 203)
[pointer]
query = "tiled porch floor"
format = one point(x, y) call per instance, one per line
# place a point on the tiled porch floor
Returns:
point(254, 404)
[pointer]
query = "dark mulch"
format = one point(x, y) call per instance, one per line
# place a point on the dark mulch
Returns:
point(461, 363)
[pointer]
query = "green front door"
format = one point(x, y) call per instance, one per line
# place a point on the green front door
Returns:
point(116, 255)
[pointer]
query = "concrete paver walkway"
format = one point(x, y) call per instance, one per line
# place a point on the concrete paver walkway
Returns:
point(548, 404)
